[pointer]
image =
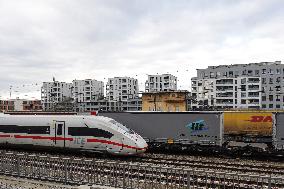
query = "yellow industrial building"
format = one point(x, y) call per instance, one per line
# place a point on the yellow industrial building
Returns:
point(167, 101)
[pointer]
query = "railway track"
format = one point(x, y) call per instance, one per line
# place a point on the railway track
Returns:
point(229, 165)
point(86, 170)
point(193, 162)
point(153, 169)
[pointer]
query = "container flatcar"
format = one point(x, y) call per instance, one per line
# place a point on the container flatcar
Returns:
point(243, 132)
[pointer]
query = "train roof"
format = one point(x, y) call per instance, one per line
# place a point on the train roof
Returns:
point(102, 118)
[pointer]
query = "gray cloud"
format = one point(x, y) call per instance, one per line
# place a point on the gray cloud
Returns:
point(69, 39)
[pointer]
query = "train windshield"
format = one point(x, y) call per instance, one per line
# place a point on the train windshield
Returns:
point(120, 126)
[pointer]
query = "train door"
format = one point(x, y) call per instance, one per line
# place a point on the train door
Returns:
point(59, 138)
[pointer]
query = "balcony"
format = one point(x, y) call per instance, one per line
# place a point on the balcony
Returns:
point(253, 87)
point(225, 95)
point(253, 95)
point(253, 80)
point(225, 82)
point(224, 102)
point(224, 88)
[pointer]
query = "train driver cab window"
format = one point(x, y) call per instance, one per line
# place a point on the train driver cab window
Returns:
point(59, 129)
point(119, 125)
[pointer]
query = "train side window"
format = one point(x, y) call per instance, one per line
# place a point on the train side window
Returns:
point(83, 131)
point(59, 129)
point(25, 129)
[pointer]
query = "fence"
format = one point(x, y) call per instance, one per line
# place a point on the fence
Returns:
point(126, 175)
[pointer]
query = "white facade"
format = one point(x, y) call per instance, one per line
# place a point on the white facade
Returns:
point(164, 82)
point(87, 90)
point(121, 89)
point(223, 93)
point(271, 75)
point(54, 92)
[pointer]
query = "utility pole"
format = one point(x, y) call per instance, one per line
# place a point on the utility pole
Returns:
point(10, 91)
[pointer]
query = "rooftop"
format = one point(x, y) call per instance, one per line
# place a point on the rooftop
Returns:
point(244, 65)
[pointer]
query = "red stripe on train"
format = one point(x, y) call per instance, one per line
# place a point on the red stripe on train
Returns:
point(71, 139)
point(4, 136)
point(43, 137)
point(113, 143)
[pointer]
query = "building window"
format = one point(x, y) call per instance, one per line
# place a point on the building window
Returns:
point(263, 106)
point(270, 105)
point(256, 72)
point(263, 80)
point(277, 105)
point(250, 72)
point(218, 74)
point(263, 71)
point(177, 108)
point(263, 98)
point(270, 97)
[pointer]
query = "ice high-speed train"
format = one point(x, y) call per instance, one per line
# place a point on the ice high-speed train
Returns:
point(71, 132)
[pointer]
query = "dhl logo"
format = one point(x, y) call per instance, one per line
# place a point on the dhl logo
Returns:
point(260, 119)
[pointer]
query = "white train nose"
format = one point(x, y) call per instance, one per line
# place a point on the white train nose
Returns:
point(141, 147)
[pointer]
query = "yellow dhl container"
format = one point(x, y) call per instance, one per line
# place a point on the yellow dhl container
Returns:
point(248, 123)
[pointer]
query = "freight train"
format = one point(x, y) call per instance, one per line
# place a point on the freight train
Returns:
point(70, 132)
point(241, 132)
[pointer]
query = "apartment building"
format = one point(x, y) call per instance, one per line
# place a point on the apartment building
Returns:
point(264, 78)
point(226, 93)
point(55, 92)
point(164, 82)
point(84, 92)
point(20, 105)
point(121, 89)
point(122, 94)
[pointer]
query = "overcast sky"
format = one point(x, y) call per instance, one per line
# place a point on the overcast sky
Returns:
point(98, 39)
